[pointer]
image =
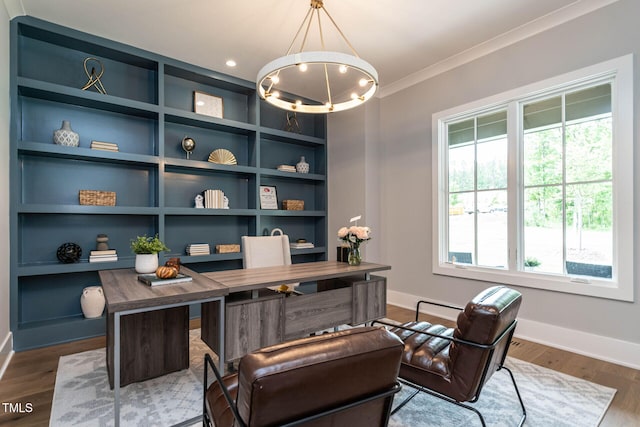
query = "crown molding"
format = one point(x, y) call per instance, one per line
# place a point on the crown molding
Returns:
point(553, 19)
point(14, 8)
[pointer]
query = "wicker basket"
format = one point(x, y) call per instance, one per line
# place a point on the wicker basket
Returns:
point(97, 198)
point(293, 205)
point(227, 249)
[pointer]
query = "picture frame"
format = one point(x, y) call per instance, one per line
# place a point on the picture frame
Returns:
point(268, 197)
point(207, 104)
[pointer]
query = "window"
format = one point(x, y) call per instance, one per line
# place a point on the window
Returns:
point(535, 186)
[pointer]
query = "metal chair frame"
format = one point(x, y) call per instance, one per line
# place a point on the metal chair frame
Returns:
point(506, 334)
point(206, 421)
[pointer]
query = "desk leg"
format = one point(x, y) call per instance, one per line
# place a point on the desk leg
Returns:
point(222, 327)
point(116, 368)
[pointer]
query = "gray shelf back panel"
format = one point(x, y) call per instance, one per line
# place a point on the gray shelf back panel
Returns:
point(243, 146)
point(206, 266)
point(308, 228)
point(214, 230)
point(274, 153)
point(57, 181)
point(60, 60)
point(275, 118)
point(38, 303)
point(179, 94)
point(133, 134)
point(42, 234)
point(181, 188)
point(311, 192)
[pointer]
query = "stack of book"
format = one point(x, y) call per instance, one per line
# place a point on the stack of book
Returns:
point(195, 249)
point(106, 146)
point(109, 255)
point(213, 199)
point(305, 245)
point(286, 168)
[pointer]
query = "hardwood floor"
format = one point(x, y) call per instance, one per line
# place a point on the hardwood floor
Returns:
point(30, 377)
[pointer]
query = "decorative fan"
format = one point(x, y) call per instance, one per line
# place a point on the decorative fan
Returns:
point(222, 157)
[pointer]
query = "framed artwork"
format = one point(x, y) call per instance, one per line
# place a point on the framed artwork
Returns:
point(208, 105)
point(268, 197)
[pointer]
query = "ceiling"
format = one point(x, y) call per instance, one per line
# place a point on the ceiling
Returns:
point(402, 39)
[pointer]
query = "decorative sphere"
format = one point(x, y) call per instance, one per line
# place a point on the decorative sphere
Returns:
point(69, 253)
point(188, 144)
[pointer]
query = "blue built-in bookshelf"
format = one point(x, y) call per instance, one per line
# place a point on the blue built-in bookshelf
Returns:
point(147, 110)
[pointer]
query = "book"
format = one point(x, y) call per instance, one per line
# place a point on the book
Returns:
point(106, 252)
point(105, 149)
point(153, 280)
point(111, 145)
point(307, 245)
point(103, 258)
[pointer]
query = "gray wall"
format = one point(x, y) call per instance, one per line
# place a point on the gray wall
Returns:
point(354, 174)
point(406, 175)
point(4, 181)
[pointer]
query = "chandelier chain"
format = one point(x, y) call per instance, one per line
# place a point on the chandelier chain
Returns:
point(341, 33)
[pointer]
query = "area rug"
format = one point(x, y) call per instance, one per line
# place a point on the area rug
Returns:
point(551, 399)
point(82, 397)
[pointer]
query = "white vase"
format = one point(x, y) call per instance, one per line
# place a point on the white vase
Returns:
point(92, 302)
point(146, 263)
point(302, 166)
point(66, 136)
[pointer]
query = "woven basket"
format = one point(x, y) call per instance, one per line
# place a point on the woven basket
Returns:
point(293, 205)
point(227, 249)
point(97, 198)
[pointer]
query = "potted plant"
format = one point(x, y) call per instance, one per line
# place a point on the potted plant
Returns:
point(146, 249)
point(531, 263)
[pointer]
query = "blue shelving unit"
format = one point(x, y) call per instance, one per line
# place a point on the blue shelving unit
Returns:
point(147, 111)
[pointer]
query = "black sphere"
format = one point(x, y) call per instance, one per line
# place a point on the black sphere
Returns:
point(69, 252)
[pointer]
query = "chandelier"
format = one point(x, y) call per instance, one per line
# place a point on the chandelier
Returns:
point(354, 80)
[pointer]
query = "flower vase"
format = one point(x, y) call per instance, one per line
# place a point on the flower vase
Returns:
point(146, 263)
point(354, 257)
point(302, 166)
point(92, 302)
point(66, 136)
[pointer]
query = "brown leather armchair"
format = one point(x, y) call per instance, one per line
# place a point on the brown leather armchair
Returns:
point(455, 363)
point(345, 378)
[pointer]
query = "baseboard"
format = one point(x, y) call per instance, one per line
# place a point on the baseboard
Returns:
point(6, 353)
point(591, 345)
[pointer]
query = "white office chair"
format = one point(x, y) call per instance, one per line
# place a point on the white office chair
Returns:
point(266, 251)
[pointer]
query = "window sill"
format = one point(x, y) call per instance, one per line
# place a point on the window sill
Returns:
point(594, 287)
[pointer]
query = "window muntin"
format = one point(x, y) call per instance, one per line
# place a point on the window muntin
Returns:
point(568, 183)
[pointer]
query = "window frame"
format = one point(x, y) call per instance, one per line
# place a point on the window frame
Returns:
point(621, 286)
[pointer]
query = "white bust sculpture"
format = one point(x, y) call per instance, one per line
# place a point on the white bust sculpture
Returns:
point(199, 201)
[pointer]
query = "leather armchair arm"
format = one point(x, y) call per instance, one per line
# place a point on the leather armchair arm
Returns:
point(435, 303)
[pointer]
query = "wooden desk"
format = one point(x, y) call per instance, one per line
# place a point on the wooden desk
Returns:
point(256, 278)
point(256, 317)
point(153, 321)
point(153, 337)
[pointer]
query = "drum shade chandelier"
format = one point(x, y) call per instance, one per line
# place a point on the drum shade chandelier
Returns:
point(315, 69)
